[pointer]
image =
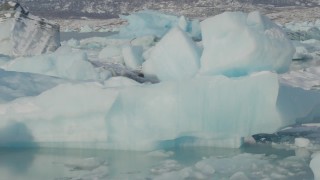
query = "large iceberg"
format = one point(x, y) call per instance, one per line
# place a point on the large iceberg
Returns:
point(216, 110)
point(22, 34)
point(237, 44)
point(123, 114)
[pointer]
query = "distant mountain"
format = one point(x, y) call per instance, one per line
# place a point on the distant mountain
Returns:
point(190, 8)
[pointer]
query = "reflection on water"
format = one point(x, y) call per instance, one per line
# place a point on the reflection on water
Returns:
point(188, 163)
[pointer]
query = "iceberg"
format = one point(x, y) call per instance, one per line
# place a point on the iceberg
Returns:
point(217, 110)
point(23, 34)
point(149, 22)
point(130, 116)
point(62, 63)
point(67, 113)
point(175, 57)
point(237, 44)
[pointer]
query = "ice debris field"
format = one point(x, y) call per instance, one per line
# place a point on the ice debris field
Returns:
point(162, 81)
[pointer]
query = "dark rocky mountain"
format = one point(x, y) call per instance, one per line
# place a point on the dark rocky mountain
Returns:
point(190, 8)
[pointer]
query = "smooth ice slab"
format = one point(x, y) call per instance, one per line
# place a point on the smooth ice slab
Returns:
point(175, 57)
point(63, 64)
point(15, 85)
point(236, 44)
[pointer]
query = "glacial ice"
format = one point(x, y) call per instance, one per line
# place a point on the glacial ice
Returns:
point(315, 165)
point(186, 108)
point(237, 167)
point(112, 54)
point(301, 53)
point(175, 57)
point(297, 104)
point(149, 22)
point(132, 117)
point(237, 44)
point(62, 63)
point(301, 142)
point(132, 56)
point(66, 115)
point(23, 34)
point(205, 103)
point(14, 85)
point(303, 31)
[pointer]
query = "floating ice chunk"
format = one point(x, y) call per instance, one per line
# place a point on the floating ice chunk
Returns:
point(302, 152)
point(175, 57)
point(166, 166)
point(102, 172)
point(85, 164)
point(111, 54)
point(315, 165)
point(68, 115)
point(301, 142)
point(61, 64)
point(23, 34)
point(239, 176)
point(298, 105)
point(132, 56)
point(243, 167)
point(301, 53)
point(236, 44)
point(203, 102)
point(73, 43)
point(205, 168)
